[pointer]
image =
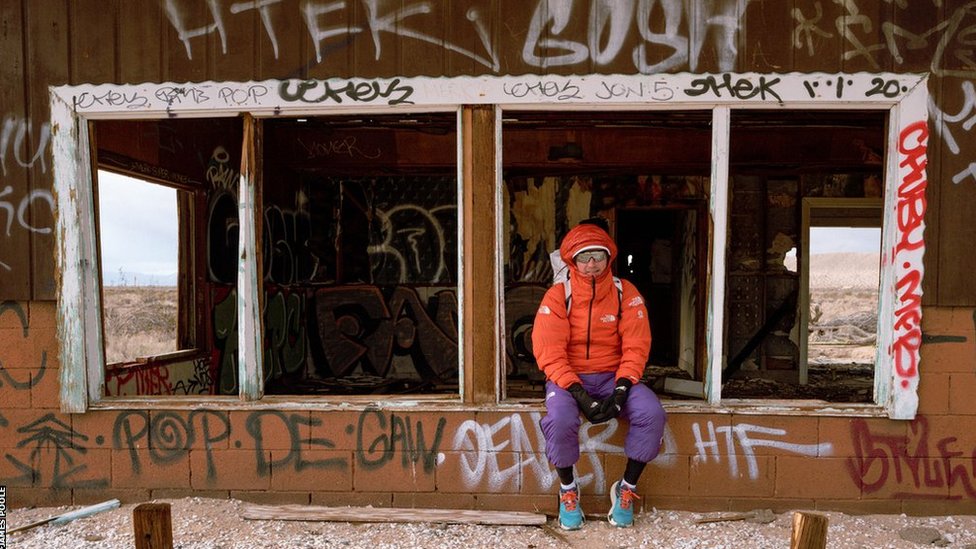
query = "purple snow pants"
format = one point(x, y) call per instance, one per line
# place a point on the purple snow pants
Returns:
point(562, 421)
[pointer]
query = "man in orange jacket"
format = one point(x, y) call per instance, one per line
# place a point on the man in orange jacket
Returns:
point(593, 346)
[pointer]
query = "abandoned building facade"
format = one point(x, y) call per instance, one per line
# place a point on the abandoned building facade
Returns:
point(291, 251)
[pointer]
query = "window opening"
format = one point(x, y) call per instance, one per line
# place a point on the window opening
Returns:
point(780, 161)
point(646, 174)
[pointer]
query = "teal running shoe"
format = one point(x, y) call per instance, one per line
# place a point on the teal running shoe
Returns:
point(621, 512)
point(570, 512)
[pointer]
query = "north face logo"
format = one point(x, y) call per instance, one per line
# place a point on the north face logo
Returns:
point(608, 318)
point(635, 302)
point(544, 310)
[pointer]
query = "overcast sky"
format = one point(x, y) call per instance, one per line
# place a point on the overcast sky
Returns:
point(138, 228)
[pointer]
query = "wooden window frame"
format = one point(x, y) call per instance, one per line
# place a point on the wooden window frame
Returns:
point(479, 101)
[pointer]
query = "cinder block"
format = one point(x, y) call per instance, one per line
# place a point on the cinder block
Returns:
point(45, 390)
point(961, 390)
point(92, 496)
point(142, 468)
point(496, 472)
point(774, 435)
point(948, 321)
point(535, 503)
point(813, 478)
point(697, 433)
point(860, 506)
point(179, 493)
point(947, 356)
point(394, 476)
point(353, 499)
point(691, 503)
point(851, 437)
point(12, 397)
point(269, 429)
point(43, 314)
point(311, 470)
point(672, 479)
point(434, 500)
point(272, 498)
point(36, 497)
point(95, 429)
point(230, 470)
point(776, 505)
point(733, 476)
point(336, 427)
point(197, 429)
point(15, 315)
point(933, 393)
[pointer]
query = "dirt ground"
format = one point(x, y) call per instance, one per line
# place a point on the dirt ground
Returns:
point(211, 524)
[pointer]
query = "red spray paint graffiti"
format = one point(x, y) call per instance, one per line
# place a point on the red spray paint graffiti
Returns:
point(912, 144)
point(919, 468)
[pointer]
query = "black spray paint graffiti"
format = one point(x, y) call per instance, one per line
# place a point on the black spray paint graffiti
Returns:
point(43, 435)
point(358, 327)
point(285, 339)
point(324, 91)
point(382, 449)
point(287, 257)
point(169, 437)
point(37, 374)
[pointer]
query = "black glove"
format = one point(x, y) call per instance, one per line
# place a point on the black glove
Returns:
point(587, 405)
point(610, 407)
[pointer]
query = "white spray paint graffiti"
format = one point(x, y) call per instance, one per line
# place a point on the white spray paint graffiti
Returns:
point(381, 17)
point(15, 137)
point(612, 19)
point(965, 118)
point(741, 434)
point(481, 443)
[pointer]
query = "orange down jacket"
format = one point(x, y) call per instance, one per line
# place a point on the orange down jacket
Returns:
point(592, 339)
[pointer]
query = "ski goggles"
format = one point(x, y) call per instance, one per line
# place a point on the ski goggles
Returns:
point(592, 255)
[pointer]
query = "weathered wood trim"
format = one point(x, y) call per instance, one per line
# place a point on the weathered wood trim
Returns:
point(903, 243)
point(481, 339)
point(359, 514)
point(667, 91)
point(71, 261)
point(718, 212)
point(250, 331)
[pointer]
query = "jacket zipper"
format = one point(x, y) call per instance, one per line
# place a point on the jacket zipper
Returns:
point(589, 318)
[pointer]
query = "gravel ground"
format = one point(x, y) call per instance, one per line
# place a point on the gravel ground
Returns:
point(217, 524)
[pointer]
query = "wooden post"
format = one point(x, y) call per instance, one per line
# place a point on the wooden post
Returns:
point(153, 526)
point(809, 531)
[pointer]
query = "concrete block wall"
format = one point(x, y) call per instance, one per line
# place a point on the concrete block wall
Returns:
point(437, 456)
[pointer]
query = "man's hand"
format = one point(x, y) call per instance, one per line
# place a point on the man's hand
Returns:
point(610, 407)
point(587, 405)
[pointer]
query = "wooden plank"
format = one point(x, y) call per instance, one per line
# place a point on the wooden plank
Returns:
point(769, 47)
point(359, 514)
point(249, 293)
point(480, 279)
point(818, 45)
point(47, 65)
point(140, 41)
point(719, 213)
point(15, 257)
point(184, 43)
point(153, 526)
point(94, 25)
point(331, 34)
point(809, 531)
point(280, 43)
point(232, 53)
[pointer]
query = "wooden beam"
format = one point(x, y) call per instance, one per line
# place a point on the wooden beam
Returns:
point(249, 277)
point(809, 531)
point(480, 281)
point(153, 526)
point(360, 514)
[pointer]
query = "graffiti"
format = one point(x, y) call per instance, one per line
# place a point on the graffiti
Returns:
point(559, 89)
point(151, 380)
point(287, 257)
point(110, 98)
point(742, 88)
point(250, 95)
point(38, 374)
point(179, 95)
point(609, 24)
point(223, 234)
point(169, 436)
point(480, 445)
point(341, 146)
point(356, 91)
point(43, 435)
point(710, 449)
point(948, 40)
point(358, 328)
point(284, 333)
point(174, 378)
point(416, 240)
point(278, 422)
point(220, 173)
point(966, 118)
point(923, 467)
point(16, 136)
point(381, 450)
point(911, 222)
point(656, 91)
point(201, 382)
point(225, 349)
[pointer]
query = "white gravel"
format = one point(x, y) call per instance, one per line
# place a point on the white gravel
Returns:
point(217, 524)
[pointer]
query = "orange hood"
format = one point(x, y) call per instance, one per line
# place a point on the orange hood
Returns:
point(584, 237)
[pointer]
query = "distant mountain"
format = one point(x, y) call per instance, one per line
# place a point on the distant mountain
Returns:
point(123, 278)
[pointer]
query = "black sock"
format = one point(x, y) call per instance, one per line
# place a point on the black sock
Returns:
point(565, 475)
point(633, 471)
